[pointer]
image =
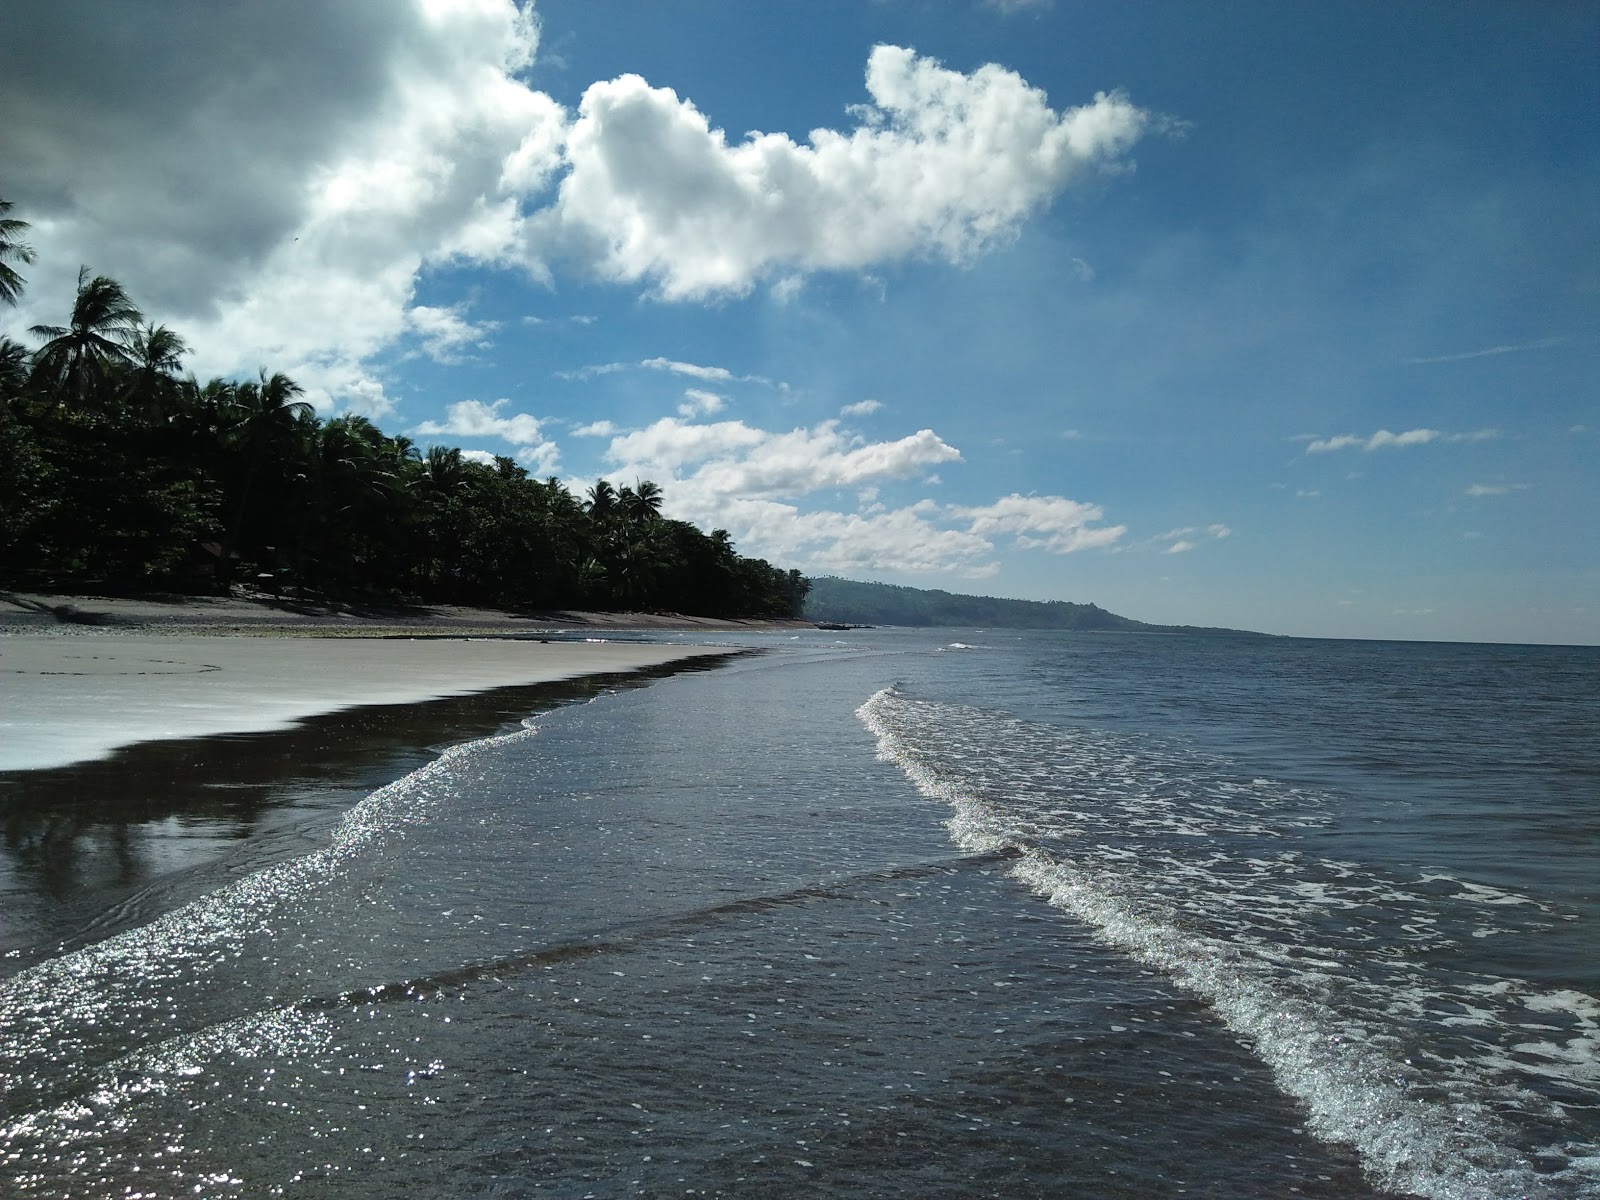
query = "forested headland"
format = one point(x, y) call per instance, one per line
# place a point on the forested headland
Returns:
point(118, 472)
point(849, 602)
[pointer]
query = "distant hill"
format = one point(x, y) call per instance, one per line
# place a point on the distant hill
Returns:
point(848, 602)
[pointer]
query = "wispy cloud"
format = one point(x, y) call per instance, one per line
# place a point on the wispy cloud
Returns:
point(691, 370)
point(1384, 439)
point(1181, 541)
point(1486, 352)
point(1497, 489)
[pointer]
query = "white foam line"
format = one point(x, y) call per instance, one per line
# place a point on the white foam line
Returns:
point(1354, 1093)
point(71, 991)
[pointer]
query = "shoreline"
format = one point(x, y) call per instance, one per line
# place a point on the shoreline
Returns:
point(78, 699)
point(260, 615)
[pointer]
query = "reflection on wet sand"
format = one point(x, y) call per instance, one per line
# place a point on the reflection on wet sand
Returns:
point(91, 848)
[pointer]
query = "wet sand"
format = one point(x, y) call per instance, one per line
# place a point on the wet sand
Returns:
point(66, 699)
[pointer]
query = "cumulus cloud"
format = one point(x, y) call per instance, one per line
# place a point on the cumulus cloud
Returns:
point(940, 164)
point(861, 408)
point(1053, 523)
point(731, 475)
point(272, 179)
point(277, 216)
point(699, 402)
point(445, 334)
point(475, 419)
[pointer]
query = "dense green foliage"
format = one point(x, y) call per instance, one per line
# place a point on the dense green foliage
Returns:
point(117, 473)
point(848, 602)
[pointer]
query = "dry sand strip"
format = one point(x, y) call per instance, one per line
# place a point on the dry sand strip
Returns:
point(73, 699)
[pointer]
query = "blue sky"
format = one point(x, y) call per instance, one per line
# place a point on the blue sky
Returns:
point(1262, 315)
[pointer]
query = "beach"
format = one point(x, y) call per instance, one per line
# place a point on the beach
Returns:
point(82, 677)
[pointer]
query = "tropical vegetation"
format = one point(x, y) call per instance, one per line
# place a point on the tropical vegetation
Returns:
point(118, 472)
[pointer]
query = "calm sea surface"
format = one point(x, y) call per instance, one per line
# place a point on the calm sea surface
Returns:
point(879, 913)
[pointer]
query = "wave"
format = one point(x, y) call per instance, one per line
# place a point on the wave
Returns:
point(1328, 970)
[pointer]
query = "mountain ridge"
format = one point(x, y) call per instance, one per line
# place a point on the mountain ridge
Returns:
point(852, 602)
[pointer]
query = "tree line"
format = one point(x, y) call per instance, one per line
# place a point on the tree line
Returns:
point(117, 471)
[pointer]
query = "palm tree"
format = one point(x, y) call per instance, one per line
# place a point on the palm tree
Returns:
point(602, 500)
point(77, 357)
point(641, 503)
point(12, 249)
point(265, 428)
point(13, 368)
point(157, 355)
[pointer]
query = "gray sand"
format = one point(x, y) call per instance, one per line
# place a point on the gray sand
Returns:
point(68, 699)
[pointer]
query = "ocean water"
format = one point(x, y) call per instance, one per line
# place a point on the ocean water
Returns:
point(879, 913)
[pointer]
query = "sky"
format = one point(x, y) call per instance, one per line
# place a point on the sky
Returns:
point(1262, 315)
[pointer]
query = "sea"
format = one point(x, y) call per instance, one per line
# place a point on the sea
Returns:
point(876, 912)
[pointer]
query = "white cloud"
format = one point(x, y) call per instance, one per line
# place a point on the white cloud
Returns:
point(720, 375)
point(282, 217)
point(445, 333)
point(861, 408)
point(277, 217)
point(903, 540)
point(1496, 489)
point(1181, 541)
point(1489, 352)
point(595, 429)
point(940, 164)
point(1053, 523)
point(1383, 439)
point(1083, 271)
point(484, 457)
point(787, 287)
point(475, 419)
point(694, 370)
point(698, 402)
point(749, 481)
